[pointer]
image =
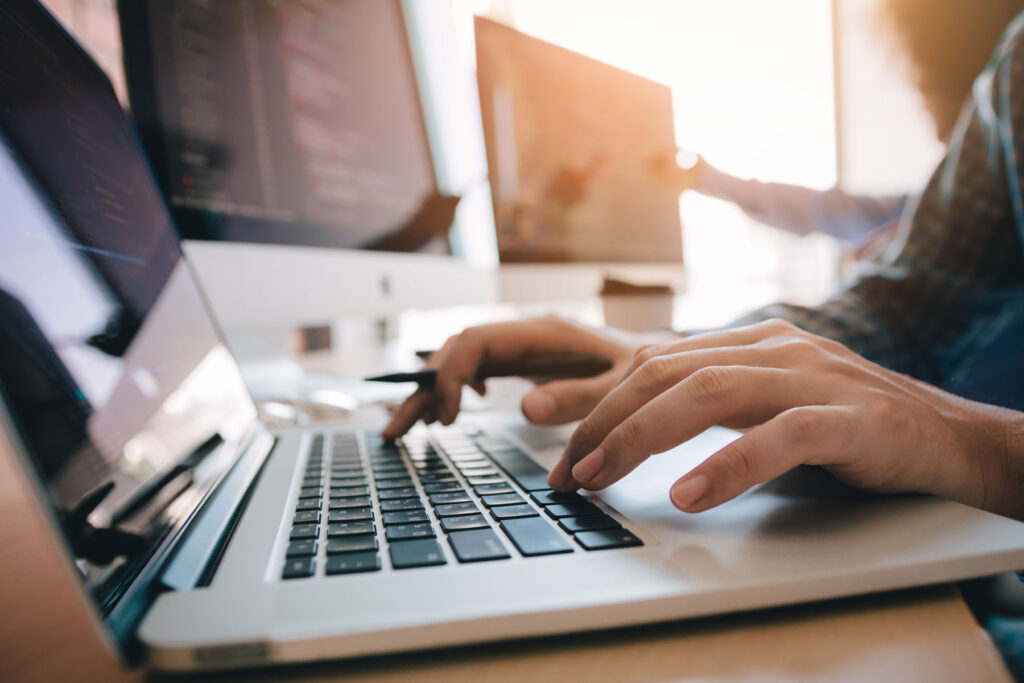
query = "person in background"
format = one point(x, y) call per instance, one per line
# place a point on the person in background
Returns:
point(946, 43)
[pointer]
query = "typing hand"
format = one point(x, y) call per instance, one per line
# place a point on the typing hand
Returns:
point(810, 401)
point(552, 403)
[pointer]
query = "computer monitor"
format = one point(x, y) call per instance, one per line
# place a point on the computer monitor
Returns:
point(281, 128)
point(569, 141)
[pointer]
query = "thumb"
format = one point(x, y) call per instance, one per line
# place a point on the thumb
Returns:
point(565, 400)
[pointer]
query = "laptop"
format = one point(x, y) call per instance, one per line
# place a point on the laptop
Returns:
point(205, 540)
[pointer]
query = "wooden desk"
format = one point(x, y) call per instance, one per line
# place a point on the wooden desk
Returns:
point(48, 634)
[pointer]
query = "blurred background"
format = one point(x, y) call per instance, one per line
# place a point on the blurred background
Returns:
point(786, 91)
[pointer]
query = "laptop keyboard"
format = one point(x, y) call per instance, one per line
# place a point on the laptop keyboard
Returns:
point(367, 502)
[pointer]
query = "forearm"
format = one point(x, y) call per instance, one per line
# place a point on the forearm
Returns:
point(848, 217)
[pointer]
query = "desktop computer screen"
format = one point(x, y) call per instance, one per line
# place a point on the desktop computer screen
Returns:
point(292, 123)
point(569, 141)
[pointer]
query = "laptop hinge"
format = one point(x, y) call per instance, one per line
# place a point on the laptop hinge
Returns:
point(197, 555)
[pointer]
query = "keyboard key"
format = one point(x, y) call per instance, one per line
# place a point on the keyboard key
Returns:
point(421, 552)
point(348, 481)
point(454, 509)
point(300, 531)
point(405, 517)
point(535, 536)
point(483, 481)
point(525, 472)
point(391, 484)
point(477, 545)
point(350, 515)
point(311, 492)
point(502, 499)
point(391, 476)
point(351, 544)
point(438, 478)
point(401, 504)
point(401, 532)
point(343, 491)
point(607, 538)
point(308, 504)
point(350, 529)
point(474, 460)
point(298, 567)
point(453, 497)
point(513, 511)
point(306, 517)
point(572, 510)
point(349, 502)
point(479, 471)
point(347, 471)
point(312, 481)
point(442, 488)
point(550, 497)
point(587, 523)
point(303, 548)
point(465, 449)
point(383, 468)
point(492, 442)
point(460, 522)
point(349, 563)
point(488, 489)
point(394, 494)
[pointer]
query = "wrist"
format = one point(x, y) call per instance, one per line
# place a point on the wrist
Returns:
point(992, 461)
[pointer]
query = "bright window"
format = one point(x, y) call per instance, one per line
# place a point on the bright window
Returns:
point(753, 92)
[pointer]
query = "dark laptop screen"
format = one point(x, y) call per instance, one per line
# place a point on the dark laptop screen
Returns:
point(111, 370)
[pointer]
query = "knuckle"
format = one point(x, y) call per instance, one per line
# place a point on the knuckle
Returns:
point(739, 462)
point(800, 347)
point(844, 430)
point(555, 320)
point(652, 373)
point(584, 434)
point(803, 425)
point(644, 354)
point(628, 435)
point(779, 326)
point(712, 382)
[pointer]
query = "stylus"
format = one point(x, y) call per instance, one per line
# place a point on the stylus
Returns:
point(563, 365)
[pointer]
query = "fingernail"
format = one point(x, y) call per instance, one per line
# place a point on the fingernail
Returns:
point(687, 492)
point(559, 475)
point(538, 405)
point(589, 467)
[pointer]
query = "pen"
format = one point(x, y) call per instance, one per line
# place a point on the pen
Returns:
point(564, 365)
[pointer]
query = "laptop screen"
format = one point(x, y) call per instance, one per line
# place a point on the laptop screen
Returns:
point(111, 371)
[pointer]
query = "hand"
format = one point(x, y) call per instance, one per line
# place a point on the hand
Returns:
point(666, 168)
point(810, 401)
point(552, 403)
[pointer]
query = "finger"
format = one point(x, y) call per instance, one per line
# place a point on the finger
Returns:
point(460, 357)
point(805, 435)
point(456, 363)
point(740, 336)
point(706, 398)
point(566, 400)
point(407, 414)
point(429, 416)
point(655, 376)
point(479, 387)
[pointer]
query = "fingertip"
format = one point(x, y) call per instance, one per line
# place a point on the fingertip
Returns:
point(559, 475)
point(688, 494)
point(539, 406)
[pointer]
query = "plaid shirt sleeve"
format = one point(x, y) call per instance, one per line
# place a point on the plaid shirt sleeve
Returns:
point(924, 306)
